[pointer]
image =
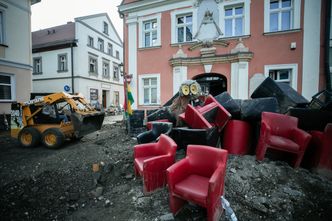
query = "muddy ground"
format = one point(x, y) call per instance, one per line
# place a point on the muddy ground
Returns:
point(42, 184)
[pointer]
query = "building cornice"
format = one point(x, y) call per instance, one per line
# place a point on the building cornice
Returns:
point(218, 59)
point(13, 64)
point(78, 77)
point(54, 46)
point(147, 4)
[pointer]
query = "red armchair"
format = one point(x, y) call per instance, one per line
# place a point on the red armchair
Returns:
point(319, 152)
point(280, 132)
point(198, 178)
point(151, 161)
point(207, 116)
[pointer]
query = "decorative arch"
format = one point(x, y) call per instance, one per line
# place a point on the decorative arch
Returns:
point(213, 83)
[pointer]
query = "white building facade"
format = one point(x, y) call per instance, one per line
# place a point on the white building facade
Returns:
point(80, 57)
point(15, 52)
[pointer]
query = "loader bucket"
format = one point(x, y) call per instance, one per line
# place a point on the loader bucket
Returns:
point(87, 123)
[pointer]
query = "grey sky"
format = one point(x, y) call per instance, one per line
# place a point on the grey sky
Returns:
point(50, 13)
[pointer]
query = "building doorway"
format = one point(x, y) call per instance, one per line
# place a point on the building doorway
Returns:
point(212, 83)
point(106, 98)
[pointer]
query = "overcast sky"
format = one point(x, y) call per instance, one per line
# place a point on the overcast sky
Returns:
point(49, 13)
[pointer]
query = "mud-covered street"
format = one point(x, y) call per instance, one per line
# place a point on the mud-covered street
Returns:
point(43, 184)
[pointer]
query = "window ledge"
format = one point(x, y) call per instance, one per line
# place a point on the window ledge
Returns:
point(176, 44)
point(61, 71)
point(93, 73)
point(37, 73)
point(282, 32)
point(7, 101)
point(235, 37)
point(3, 45)
point(147, 48)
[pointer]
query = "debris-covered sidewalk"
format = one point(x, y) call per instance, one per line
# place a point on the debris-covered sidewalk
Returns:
point(43, 184)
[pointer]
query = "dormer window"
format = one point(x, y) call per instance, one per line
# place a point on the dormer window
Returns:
point(105, 28)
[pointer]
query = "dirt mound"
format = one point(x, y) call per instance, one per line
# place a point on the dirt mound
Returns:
point(42, 184)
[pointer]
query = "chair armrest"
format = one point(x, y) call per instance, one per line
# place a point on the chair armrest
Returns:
point(216, 183)
point(143, 150)
point(301, 137)
point(158, 163)
point(265, 130)
point(177, 172)
point(145, 137)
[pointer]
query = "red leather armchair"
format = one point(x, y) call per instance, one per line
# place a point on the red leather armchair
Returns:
point(151, 161)
point(198, 178)
point(207, 116)
point(280, 132)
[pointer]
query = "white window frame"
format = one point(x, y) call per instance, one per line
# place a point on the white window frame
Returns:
point(141, 89)
point(12, 87)
point(96, 65)
point(101, 44)
point(233, 18)
point(294, 72)
point(106, 69)
point(110, 49)
point(91, 38)
point(34, 65)
point(116, 72)
point(295, 16)
point(141, 22)
point(246, 15)
point(179, 12)
point(65, 68)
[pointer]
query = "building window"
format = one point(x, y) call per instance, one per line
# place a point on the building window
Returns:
point(234, 20)
point(93, 68)
point(184, 28)
point(101, 44)
point(116, 98)
point(90, 41)
point(106, 69)
point(117, 54)
point(281, 15)
point(2, 28)
point(286, 73)
point(149, 89)
point(37, 65)
point(283, 75)
point(62, 63)
point(110, 49)
point(7, 89)
point(115, 72)
point(105, 28)
point(150, 33)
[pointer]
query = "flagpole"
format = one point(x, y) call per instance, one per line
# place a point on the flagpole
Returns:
point(125, 87)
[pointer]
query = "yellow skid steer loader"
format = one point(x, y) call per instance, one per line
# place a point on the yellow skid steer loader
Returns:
point(53, 118)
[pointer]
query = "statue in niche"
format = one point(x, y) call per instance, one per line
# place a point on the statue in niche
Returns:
point(208, 33)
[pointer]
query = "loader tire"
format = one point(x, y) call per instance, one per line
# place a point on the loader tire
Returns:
point(29, 137)
point(53, 138)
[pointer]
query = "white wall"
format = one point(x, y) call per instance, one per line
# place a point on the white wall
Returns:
point(17, 31)
point(50, 64)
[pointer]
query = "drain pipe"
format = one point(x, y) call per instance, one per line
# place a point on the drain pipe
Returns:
point(72, 67)
point(327, 64)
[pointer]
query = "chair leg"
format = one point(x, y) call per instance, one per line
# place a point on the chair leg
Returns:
point(175, 203)
point(260, 151)
point(214, 212)
point(298, 160)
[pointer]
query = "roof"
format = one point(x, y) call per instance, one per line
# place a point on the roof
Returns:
point(54, 36)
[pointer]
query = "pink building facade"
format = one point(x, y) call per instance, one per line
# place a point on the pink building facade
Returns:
point(226, 45)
